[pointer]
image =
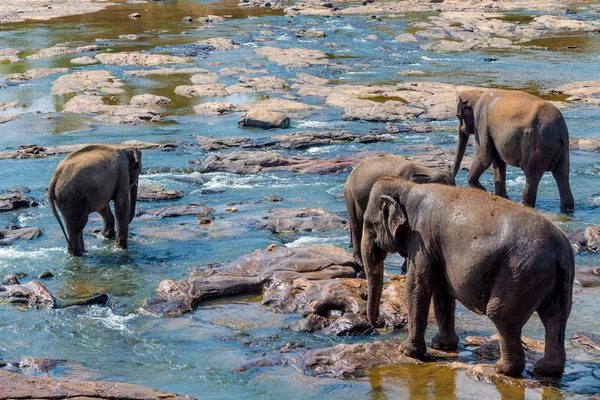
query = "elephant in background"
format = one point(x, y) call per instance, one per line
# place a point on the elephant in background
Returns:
point(367, 172)
point(494, 256)
point(516, 128)
point(87, 180)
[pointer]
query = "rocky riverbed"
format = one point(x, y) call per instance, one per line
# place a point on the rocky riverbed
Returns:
point(238, 281)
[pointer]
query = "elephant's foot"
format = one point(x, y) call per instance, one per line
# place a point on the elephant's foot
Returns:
point(108, 234)
point(413, 349)
point(546, 367)
point(445, 342)
point(510, 369)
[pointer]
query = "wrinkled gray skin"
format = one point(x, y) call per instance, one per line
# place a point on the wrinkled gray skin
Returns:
point(361, 180)
point(515, 128)
point(494, 256)
point(87, 180)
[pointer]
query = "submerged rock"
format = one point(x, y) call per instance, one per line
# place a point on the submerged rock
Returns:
point(249, 274)
point(34, 73)
point(302, 220)
point(17, 386)
point(9, 104)
point(265, 119)
point(157, 193)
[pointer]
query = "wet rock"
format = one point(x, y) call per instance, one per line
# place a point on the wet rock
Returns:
point(211, 144)
point(485, 373)
point(584, 144)
point(410, 72)
point(489, 349)
point(585, 239)
point(257, 84)
point(406, 38)
point(19, 386)
point(34, 73)
point(88, 82)
point(311, 323)
point(278, 104)
point(241, 71)
point(9, 104)
point(350, 325)
point(588, 276)
point(46, 274)
point(134, 15)
point(187, 18)
point(293, 58)
point(305, 139)
point(200, 79)
point(10, 55)
point(265, 119)
point(207, 90)
point(8, 117)
point(249, 274)
point(214, 109)
point(273, 198)
point(35, 151)
point(62, 49)
point(33, 293)
point(302, 220)
point(99, 299)
point(169, 212)
point(13, 279)
point(129, 37)
point(220, 43)
point(140, 59)
point(85, 60)
point(310, 33)
point(28, 233)
point(351, 361)
point(39, 364)
point(157, 193)
point(149, 100)
point(165, 71)
point(15, 201)
point(588, 341)
point(587, 92)
point(212, 18)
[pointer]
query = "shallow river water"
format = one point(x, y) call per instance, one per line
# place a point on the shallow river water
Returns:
point(185, 354)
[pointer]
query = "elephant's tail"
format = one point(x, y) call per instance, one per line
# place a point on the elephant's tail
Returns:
point(52, 201)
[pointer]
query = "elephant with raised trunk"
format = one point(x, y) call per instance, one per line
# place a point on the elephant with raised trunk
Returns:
point(361, 180)
point(87, 180)
point(494, 256)
point(515, 128)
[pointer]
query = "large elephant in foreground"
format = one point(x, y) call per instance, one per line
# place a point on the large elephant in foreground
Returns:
point(515, 128)
point(87, 180)
point(367, 172)
point(494, 256)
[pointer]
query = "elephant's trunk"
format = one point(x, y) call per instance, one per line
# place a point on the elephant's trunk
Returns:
point(375, 285)
point(460, 151)
point(132, 200)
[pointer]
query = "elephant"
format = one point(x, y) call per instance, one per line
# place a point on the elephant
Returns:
point(516, 128)
point(87, 180)
point(494, 256)
point(363, 177)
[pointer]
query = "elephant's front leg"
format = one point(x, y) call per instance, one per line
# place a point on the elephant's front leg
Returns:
point(444, 306)
point(108, 222)
point(419, 288)
point(500, 177)
point(122, 205)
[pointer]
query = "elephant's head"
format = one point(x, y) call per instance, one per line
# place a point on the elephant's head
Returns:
point(134, 158)
point(434, 175)
point(385, 230)
point(466, 123)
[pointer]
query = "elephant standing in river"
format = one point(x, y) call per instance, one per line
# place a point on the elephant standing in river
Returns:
point(515, 128)
point(87, 180)
point(365, 174)
point(494, 256)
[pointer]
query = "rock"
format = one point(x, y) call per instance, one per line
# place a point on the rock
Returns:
point(8, 117)
point(293, 58)
point(35, 151)
point(232, 209)
point(34, 73)
point(83, 104)
point(149, 100)
point(588, 341)
point(134, 15)
point(21, 233)
point(257, 84)
point(157, 193)
point(302, 220)
point(265, 119)
point(349, 361)
point(588, 276)
point(241, 71)
point(207, 90)
point(129, 37)
point(410, 72)
point(165, 71)
point(212, 144)
point(62, 49)
point(39, 364)
point(187, 18)
point(406, 38)
point(211, 18)
point(311, 33)
point(305, 139)
point(272, 198)
point(46, 274)
point(19, 386)
point(587, 92)
point(140, 59)
point(584, 144)
point(249, 274)
point(10, 55)
point(33, 293)
point(220, 43)
point(13, 201)
point(13, 279)
point(200, 79)
point(169, 212)
point(85, 60)
point(277, 104)
point(88, 82)
point(9, 104)
point(592, 238)
point(214, 109)
point(350, 325)
point(485, 373)
point(311, 323)
point(100, 299)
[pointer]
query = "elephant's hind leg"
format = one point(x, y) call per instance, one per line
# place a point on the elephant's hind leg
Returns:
point(444, 306)
point(561, 176)
point(500, 177)
point(108, 223)
point(554, 317)
point(122, 205)
point(74, 226)
point(532, 181)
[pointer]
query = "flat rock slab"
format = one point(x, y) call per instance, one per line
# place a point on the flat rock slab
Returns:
point(28, 233)
point(34, 73)
point(302, 220)
point(16, 386)
point(140, 59)
point(169, 212)
point(89, 82)
point(293, 58)
point(157, 193)
point(13, 201)
point(247, 275)
point(35, 151)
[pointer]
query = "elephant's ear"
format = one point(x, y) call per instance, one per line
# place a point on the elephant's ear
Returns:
point(136, 158)
point(392, 215)
point(420, 178)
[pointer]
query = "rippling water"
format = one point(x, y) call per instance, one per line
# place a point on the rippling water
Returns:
point(184, 354)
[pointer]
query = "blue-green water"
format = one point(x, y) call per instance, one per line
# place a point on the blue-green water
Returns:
point(185, 354)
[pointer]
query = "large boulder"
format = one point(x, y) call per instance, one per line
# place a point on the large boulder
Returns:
point(302, 220)
point(156, 193)
point(32, 293)
point(305, 139)
point(265, 119)
point(13, 201)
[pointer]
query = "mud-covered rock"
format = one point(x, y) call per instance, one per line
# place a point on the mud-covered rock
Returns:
point(17, 386)
point(13, 201)
point(588, 276)
point(265, 119)
point(157, 193)
point(302, 220)
point(351, 361)
point(311, 323)
point(32, 293)
point(170, 212)
point(350, 325)
point(293, 58)
point(249, 274)
point(140, 59)
point(34, 73)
